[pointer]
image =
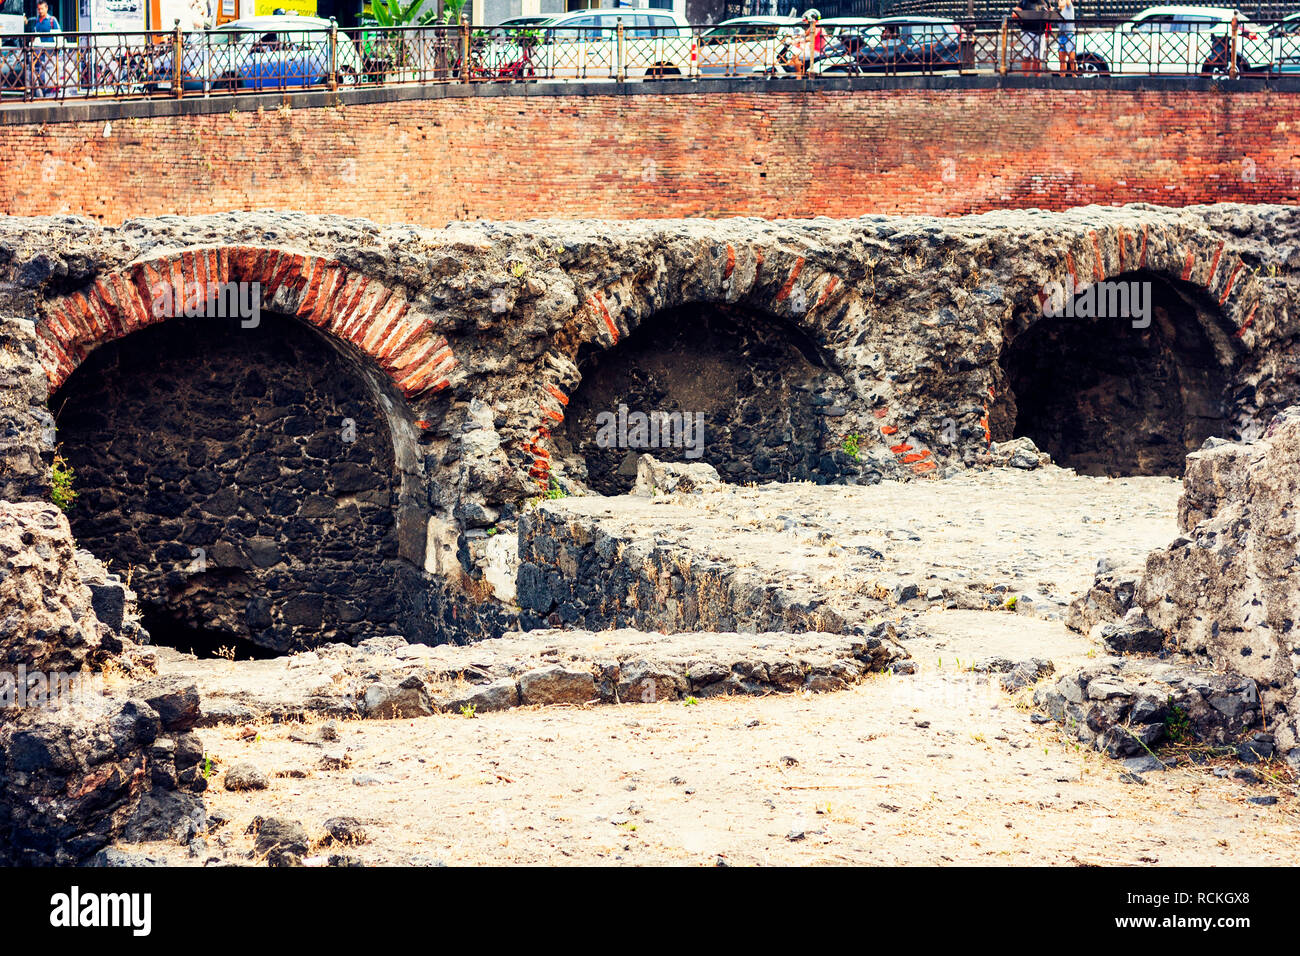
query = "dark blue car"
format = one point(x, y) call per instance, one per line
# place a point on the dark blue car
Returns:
point(896, 45)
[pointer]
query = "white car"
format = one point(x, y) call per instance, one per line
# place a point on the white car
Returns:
point(583, 44)
point(46, 64)
point(746, 45)
point(1171, 39)
point(844, 35)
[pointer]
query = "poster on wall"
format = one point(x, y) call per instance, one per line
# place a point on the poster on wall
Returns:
point(116, 16)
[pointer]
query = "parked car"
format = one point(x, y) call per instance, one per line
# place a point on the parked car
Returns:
point(896, 45)
point(583, 43)
point(1284, 45)
point(844, 34)
point(1174, 39)
point(43, 62)
point(745, 45)
point(507, 30)
point(260, 53)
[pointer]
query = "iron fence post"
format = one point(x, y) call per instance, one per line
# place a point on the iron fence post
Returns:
point(464, 48)
point(620, 53)
point(1002, 48)
point(1232, 49)
point(334, 55)
point(178, 61)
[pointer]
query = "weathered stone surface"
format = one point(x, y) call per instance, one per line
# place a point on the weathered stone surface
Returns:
point(1229, 587)
point(245, 776)
point(557, 685)
point(26, 425)
point(79, 766)
point(47, 621)
point(1015, 676)
point(1127, 706)
point(537, 667)
point(667, 478)
point(1136, 636)
point(483, 698)
point(282, 842)
point(391, 700)
point(347, 831)
point(798, 556)
point(1109, 598)
point(71, 779)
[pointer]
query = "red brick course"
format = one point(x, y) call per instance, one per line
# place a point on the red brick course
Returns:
point(771, 154)
point(371, 317)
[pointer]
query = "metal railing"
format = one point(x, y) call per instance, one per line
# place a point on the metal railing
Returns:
point(222, 62)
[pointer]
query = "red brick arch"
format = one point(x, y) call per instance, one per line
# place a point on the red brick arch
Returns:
point(1199, 260)
point(368, 315)
point(778, 281)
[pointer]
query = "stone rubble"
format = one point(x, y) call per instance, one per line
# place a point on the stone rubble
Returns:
point(83, 765)
point(387, 678)
point(1227, 590)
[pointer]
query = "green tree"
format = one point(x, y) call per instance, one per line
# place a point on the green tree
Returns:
point(394, 13)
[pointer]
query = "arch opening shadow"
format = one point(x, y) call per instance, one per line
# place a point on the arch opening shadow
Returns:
point(1113, 394)
point(753, 395)
point(243, 478)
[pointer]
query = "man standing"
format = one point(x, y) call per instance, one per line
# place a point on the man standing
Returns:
point(1065, 41)
point(44, 22)
point(42, 65)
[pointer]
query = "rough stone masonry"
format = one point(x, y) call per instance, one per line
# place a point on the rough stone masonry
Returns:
point(465, 367)
point(357, 463)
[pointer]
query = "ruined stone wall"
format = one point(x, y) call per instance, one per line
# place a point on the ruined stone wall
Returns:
point(80, 760)
point(1227, 590)
point(758, 401)
point(935, 151)
point(478, 342)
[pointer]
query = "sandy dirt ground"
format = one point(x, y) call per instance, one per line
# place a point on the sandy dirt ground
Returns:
point(935, 768)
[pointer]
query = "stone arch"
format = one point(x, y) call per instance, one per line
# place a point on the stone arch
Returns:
point(361, 312)
point(1124, 393)
point(396, 351)
point(778, 285)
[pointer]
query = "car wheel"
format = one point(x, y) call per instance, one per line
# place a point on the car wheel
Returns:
point(1215, 66)
point(347, 76)
point(661, 70)
point(1091, 63)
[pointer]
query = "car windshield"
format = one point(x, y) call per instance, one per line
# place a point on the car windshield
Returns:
point(893, 32)
point(743, 29)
